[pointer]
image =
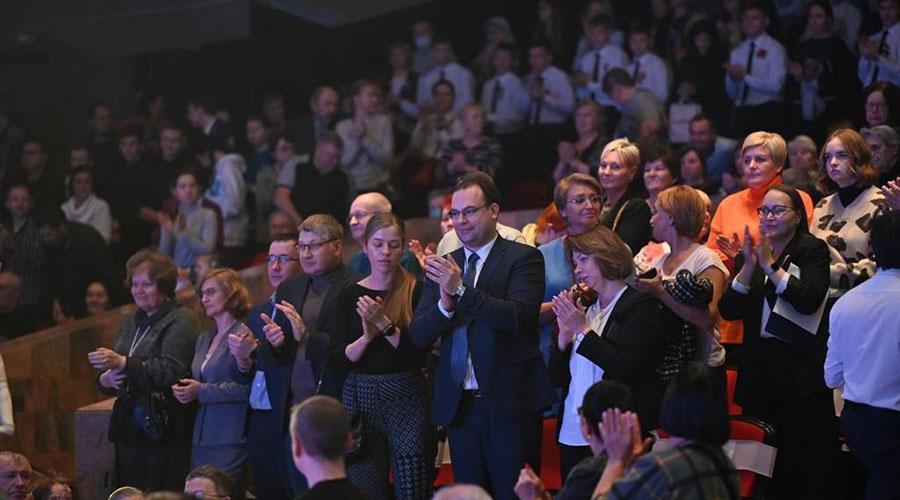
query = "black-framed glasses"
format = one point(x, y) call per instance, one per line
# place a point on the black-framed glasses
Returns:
point(281, 259)
point(776, 210)
point(312, 247)
point(581, 200)
point(468, 212)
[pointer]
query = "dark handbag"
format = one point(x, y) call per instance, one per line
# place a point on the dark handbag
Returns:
point(139, 417)
point(358, 442)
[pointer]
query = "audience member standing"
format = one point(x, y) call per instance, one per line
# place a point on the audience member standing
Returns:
point(194, 231)
point(552, 103)
point(363, 208)
point(315, 187)
point(21, 248)
point(717, 151)
point(622, 211)
point(422, 37)
point(219, 426)
point(595, 64)
point(100, 140)
point(228, 190)
point(879, 54)
point(446, 69)
point(779, 292)
point(483, 301)
point(504, 97)
point(643, 117)
point(373, 351)
point(755, 75)
point(474, 152)
point(647, 70)
point(84, 206)
point(582, 155)
point(152, 351)
point(308, 128)
point(862, 359)
point(368, 141)
point(700, 75)
point(401, 84)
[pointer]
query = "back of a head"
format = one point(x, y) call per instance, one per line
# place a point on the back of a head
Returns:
point(462, 492)
point(126, 493)
point(602, 396)
point(322, 426)
point(695, 407)
point(217, 477)
point(885, 240)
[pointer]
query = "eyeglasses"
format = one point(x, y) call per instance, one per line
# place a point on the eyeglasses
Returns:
point(312, 247)
point(841, 157)
point(776, 210)
point(202, 494)
point(282, 259)
point(876, 105)
point(581, 200)
point(468, 212)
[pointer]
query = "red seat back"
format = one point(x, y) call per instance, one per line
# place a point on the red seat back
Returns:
point(733, 409)
point(550, 474)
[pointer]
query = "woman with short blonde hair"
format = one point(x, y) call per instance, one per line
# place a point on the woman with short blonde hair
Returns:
point(623, 211)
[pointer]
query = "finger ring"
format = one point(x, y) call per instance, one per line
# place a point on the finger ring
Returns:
point(440, 275)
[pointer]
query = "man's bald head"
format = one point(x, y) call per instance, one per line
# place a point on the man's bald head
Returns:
point(363, 208)
point(462, 492)
point(15, 475)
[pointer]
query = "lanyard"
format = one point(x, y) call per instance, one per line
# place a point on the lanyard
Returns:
point(138, 338)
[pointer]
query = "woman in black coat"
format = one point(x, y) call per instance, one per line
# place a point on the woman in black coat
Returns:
point(779, 292)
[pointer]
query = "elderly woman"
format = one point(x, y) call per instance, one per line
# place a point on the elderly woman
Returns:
point(660, 173)
point(471, 153)
point(219, 426)
point(368, 140)
point(496, 31)
point(763, 155)
point(84, 206)
point(619, 337)
point(804, 166)
point(584, 154)
point(578, 199)
point(623, 212)
point(847, 174)
point(677, 221)
point(152, 351)
point(881, 101)
point(884, 142)
point(779, 293)
point(96, 298)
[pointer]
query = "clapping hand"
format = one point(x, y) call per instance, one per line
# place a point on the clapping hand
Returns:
point(415, 246)
point(529, 485)
point(106, 359)
point(891, 193)
point(570, 316)
point(765, 257)
point(621, 433)
point(371, 311)
point(293, 316)
point(729, 246)
point(444, 271)
point(241, 345)
point(186, 390)
point(165, 222)
point(274, 333)
point(113, 379)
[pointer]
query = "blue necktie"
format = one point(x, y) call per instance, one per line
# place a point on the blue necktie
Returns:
point(459, 351)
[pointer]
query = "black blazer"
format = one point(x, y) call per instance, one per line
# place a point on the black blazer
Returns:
point(277, 363)
point(503, 335)
point(810, 255)
point(629, 350)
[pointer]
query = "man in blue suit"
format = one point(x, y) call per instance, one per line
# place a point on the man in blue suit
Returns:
point(483, 301)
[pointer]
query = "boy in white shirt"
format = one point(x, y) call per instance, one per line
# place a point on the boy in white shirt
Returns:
point(647, 70)
point(603, 56)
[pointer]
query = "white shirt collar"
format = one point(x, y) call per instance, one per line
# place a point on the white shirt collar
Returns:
point(483, 251)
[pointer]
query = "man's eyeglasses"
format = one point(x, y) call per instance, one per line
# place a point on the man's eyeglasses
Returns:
point(302, 247)
point(202, 494)
point(281, 259)
point(468, 212)
point(581, 200)
point(776, 210)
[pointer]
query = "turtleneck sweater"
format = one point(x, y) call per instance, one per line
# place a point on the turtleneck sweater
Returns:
point(734, 213)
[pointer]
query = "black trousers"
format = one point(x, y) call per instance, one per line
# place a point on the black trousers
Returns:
point(807, 466)
point(768, 116)
point(153, 466)
point(874, 438)
point(491, 451)
point(266, 454)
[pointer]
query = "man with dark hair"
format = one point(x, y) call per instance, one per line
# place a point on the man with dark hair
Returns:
point(717, 150)
point(259, 151)
point(483, 302)
point(583, 478)
point(76, 257)
point(47, 184)
point(15, 476)
point(595, 65)
point(422, 34)
point(879, 59)
point(275, 113)
point(100, 138)
point(21, 250)
point(307, 273)
point(306, 130)
point(648, 71)
point(315, 187)
point(446, 68)
point(320, 431)
point(201, 114)
point(642, 117)
point(863, 359)
point(504, 97)
point(208, 482)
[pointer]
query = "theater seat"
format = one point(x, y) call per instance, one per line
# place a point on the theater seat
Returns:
point(550, 475)
point(733, 409)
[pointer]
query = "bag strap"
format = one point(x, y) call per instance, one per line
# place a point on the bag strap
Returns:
point(615, 223)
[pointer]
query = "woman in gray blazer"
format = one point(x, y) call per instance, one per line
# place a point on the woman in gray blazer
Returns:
point(219, 426)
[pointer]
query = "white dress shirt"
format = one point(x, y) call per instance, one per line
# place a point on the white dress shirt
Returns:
point(864, 343)
point(651, 73)
point(888, 62)
point(604, 59)
point(470, 382)
point(767, 76)
point(558, 103)
point(511, 98)
point(460, 77)
point(584, 373)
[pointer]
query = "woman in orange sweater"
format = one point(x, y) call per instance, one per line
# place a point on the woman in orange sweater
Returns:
point(764, 155)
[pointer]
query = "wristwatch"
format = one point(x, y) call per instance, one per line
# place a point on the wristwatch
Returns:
point(389, 330)
point(580, 335)
point(773, 268)
point(460, 290)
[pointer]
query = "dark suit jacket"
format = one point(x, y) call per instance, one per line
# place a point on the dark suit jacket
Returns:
point(303, 131)
point(629, 350)
point(811, 256)
point(222, 397)
point(278, 363)
point(503, 334)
